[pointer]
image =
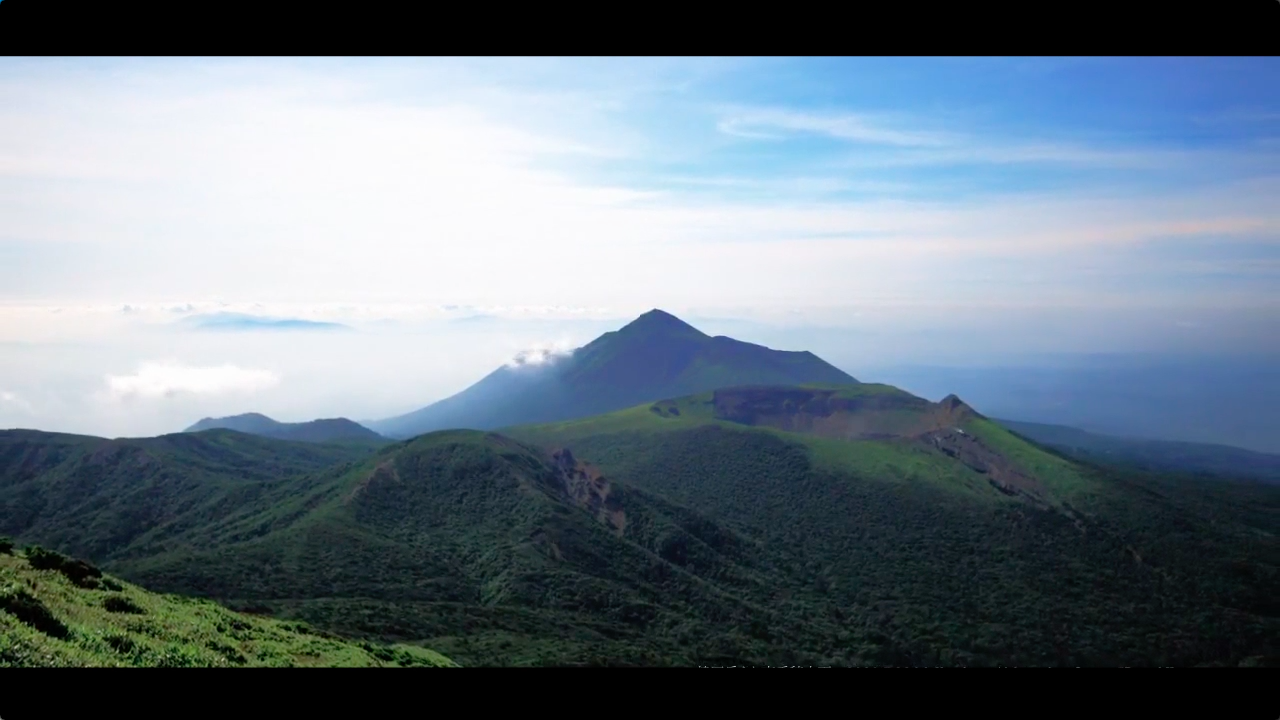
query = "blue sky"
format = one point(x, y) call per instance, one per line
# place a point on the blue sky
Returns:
point(876, 210)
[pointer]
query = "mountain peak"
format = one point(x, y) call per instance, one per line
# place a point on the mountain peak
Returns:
point(657, 355)
point(660, 320)
point(952, 403)
point(245, 422)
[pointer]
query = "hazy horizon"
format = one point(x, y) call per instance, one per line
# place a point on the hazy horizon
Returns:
point(186, 238)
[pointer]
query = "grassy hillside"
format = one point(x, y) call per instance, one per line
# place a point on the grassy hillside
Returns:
point(922, 560)
point(101, 499)
point(874, 431)
point(822, 525)
point(504, 553)
point(492, 551)
point(655, 356)
point(55, 612)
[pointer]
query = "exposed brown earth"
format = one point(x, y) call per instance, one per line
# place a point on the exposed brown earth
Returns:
point(587, 488)
point(577, 481)
point(384, 473)
point(1002, 474)
point(825, 414)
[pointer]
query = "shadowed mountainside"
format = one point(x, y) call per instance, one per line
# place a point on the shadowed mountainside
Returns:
point(315, 431)
point(655, 356)
point(94, 498)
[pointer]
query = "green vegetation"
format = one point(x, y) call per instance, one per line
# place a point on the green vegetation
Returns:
point(49, 618)
point(905, 559)
point(823, 525)
point(104, 499)
point(893, 417)
point(483, 550)
point(1062, 476)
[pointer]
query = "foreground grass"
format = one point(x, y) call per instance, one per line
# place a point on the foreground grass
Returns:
point(56, 613)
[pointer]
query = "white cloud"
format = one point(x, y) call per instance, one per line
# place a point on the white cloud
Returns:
point(324, 191)
point(12, 400)
point(855, 128)
point(542, 354)
point(907, 146)
point(164, 380)
point(293, 189)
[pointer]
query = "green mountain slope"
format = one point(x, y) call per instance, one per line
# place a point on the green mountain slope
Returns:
point(655, 356)
point(56, 612)
point(492, 551)
point(1155, 455)
point(875, 430)
point(820, 525)
point(504, 553)
point(938, 537)
point(99, 498)
point(315, 431)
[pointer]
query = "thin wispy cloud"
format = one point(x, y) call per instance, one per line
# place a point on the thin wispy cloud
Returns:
point(1031, 153)
point(389, 202)
point(775, 124)
point(792, 187)
point(913, 147)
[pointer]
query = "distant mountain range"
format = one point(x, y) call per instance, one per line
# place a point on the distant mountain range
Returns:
point(239, 321)
point(315, 431)
point(1192, 399)
point(656, 356)
point(1155, 455)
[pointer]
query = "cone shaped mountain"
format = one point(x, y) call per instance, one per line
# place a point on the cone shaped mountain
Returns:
point(316, 431)
point(655, 356)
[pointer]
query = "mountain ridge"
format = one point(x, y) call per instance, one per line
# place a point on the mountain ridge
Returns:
point(1151, 454)
point(654, 356)
point(315, 431)
point(752, 525)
